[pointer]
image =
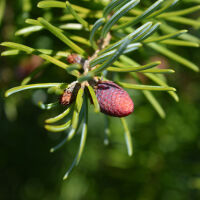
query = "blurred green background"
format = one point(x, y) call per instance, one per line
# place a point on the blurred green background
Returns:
point(166, 160)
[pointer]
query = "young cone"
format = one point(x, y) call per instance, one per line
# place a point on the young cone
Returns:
point(113, 99)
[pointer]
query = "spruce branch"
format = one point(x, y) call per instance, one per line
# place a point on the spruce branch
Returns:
point(122, 27)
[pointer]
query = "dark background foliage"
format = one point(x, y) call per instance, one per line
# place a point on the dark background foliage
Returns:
point(165, 164)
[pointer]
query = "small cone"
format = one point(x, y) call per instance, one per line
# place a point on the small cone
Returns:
point(113, 99)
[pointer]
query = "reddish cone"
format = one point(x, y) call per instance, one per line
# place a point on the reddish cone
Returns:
point(113, 99)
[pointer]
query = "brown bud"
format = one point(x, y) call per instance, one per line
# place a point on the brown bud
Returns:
point(73, 58)
point(69, 94)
